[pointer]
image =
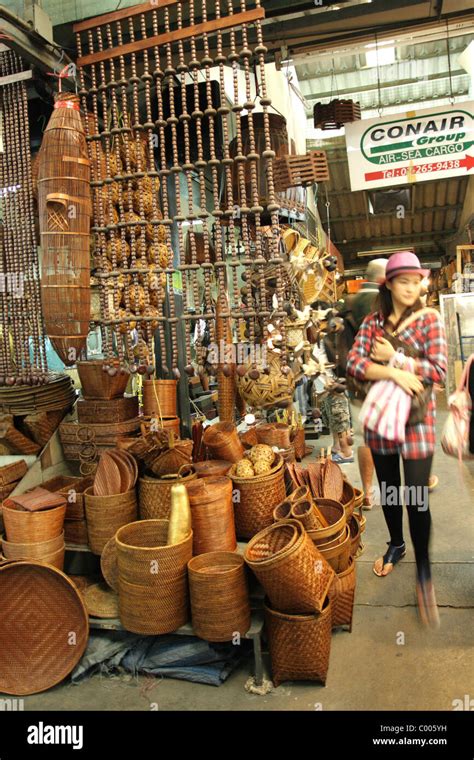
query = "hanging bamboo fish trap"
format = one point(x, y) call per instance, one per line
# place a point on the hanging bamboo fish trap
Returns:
point(65, 214)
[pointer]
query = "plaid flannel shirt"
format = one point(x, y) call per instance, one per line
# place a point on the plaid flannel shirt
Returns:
point(428, 336)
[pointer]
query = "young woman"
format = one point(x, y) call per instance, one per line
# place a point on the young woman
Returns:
point(399, 303)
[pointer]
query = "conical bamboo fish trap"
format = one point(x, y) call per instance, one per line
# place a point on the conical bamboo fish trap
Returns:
point(65, 212)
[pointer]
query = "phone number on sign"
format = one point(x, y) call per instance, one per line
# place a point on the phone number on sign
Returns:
point(423, 169)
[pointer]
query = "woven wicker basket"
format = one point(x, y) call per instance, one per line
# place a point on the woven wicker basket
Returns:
point(305, 513)
point(36, 550)
point(258, 497)
point(152, 578)
point(154, 494)
point(358, 498)
point(338, 555)
point(24, 527)
point(99, 384)
point(160, 398)
point(75, 532)
point(334, 513)
point(56, 559)
point(348, 499)
point(76, 507)
point(212, 515)
point(300, 645)
point(274, 434)
point(282, 511)
point(106, 514)
point(223, 442)
point(342, 594)
point(219, 596)
point(294, 574)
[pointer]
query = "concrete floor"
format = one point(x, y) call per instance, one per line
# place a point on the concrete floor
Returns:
point(369, 669)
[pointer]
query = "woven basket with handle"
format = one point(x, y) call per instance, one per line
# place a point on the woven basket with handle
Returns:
point(219, 596)
point(342, 594)
point(294, 574)
point(257, 498)
point(300, 645)
point(154, 494)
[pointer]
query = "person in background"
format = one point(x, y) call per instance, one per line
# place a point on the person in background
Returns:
point(362, 304)
point(368, 360)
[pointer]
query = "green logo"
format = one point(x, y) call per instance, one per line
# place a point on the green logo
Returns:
point(445, 133)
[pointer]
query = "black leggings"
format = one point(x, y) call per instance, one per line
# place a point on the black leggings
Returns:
point(415, 496)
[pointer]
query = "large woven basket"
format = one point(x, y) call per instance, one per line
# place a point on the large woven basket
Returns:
point(223, 442)
point(257, 498)
point(294, 574)
point(36, 550)
point(96, 383)
point(342, 594)
point(154, 494)
point(212, 514)
point(300, 645)
point(334, 513)
point(106, 514)
point(160, 398)
point(24, 527)
point(219, 596)
point(338, 554)
point(152, 578)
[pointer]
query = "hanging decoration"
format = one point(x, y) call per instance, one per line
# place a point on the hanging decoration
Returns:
point(159, 121)
point(22, 343)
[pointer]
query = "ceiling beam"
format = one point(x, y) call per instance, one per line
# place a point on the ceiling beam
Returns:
point(386, 239)
point(385, 215)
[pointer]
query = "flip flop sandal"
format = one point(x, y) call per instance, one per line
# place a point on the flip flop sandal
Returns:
point(427, 607)
point(393, 555)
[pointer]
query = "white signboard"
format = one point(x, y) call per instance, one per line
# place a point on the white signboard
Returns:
point(435, 143)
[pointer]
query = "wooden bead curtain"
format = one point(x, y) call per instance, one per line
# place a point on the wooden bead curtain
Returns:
point(20, 300)
point(137, 67)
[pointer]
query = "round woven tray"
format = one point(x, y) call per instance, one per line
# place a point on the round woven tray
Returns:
point(101, 601)
point(44, 627)
point(57, 393)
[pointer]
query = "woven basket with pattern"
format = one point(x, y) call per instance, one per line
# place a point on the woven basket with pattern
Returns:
point(212, 514)
point(257, 498)
point(223, 442)
point(270, 389)
point(294, 574)
point(152, 578)
point(338, 554)
point(24, 527)
point(106, 514)
point(274, 434)
point(334, 513)
point(341, 595)
point(300, 645)
point(154, 494)
point(219, 596)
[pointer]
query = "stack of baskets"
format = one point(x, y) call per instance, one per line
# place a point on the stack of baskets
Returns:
point(106, 514)
point(152, 578)
point(75, 525)
point(296, 579)
point(219, 596)
point(160, 402)
point(36, 535)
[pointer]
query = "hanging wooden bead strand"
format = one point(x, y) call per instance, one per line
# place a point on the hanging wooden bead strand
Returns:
point(160, 125)
point(188, 270)
point(170, 73)
point(152, 176)
point(273, 207)
point(200, 165)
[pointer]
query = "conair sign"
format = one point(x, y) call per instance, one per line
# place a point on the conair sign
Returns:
point(416, 146)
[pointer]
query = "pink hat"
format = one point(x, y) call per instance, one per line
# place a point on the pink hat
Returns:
point(404, 262)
